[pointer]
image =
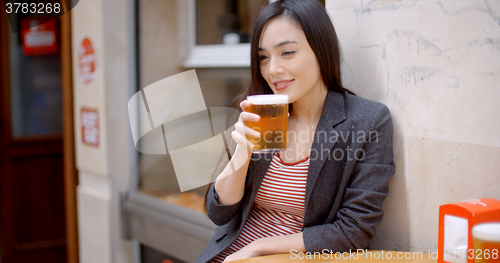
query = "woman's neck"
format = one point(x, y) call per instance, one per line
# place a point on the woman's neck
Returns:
point(307, 110)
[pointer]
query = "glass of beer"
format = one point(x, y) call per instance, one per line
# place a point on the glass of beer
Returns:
point(273, 123)
point(486, 242)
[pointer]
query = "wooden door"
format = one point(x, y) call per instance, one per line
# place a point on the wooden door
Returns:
point(33, 222)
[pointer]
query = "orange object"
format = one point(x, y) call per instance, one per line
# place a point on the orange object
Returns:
point(86, 61)
point(90, 127)
point(462, 215)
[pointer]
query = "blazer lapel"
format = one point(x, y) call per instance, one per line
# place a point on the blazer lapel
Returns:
point(333, 113)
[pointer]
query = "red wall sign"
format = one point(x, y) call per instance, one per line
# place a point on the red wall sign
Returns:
point(90, 127)
point(41, 39)
point(86, 61)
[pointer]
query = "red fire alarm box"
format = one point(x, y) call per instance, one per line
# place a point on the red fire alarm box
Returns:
point(41, 39)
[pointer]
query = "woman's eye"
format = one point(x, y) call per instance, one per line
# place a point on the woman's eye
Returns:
point(262, 57)
point(286, 53)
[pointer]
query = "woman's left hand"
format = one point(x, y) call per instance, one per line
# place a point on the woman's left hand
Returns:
point(249, 251)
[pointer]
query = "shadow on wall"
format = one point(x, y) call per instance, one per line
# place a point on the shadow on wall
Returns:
point(391, 234)
point(361, 77)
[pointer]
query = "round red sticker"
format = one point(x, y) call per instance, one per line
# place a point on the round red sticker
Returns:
point(86, 61)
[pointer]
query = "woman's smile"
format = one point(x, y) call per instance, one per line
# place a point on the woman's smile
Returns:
point(282, 84)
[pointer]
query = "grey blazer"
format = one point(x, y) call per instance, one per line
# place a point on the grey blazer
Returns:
point(351, 163)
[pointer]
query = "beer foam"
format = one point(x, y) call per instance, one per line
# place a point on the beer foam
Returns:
point(487, 232)
point(268, 99)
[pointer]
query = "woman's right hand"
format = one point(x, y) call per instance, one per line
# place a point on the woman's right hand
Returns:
point(230, 184)
point(241, 129)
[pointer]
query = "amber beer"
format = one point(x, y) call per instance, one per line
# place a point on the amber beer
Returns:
point(486, 242)
point(273, 123)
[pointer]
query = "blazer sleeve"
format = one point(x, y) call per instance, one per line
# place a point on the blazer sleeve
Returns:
point(361, 208)
point(218, 213)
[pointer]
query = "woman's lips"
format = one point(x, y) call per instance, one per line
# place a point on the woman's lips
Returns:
point(282, 84)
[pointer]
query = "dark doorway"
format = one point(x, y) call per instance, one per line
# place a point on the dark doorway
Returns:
point(32, 183)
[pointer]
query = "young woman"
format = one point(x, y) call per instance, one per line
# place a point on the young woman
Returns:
point(325, 192)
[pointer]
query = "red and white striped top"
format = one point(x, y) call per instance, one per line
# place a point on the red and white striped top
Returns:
point(279, 205)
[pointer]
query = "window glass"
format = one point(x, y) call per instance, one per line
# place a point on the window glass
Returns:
point(225, 21)
point(35, 86)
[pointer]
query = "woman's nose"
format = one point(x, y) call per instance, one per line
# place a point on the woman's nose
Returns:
point(275, 66)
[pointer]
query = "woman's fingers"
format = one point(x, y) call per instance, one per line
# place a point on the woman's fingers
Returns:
point(241, 139)
point(248, 116)
point(245, 104)
point(242, 128)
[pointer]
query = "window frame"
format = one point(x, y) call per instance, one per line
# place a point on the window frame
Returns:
point(206, 56)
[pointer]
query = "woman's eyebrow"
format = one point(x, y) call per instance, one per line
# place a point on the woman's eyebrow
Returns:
point(282, 43)
point(285, 42)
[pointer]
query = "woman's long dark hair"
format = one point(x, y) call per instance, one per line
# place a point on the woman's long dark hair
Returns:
point(320, 34)
point(312, 17)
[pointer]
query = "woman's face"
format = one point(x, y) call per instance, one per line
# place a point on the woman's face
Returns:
point(287, 62)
